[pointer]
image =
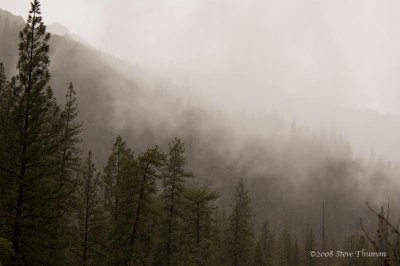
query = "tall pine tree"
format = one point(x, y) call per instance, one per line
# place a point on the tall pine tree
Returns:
point(3, 78)
point(174, 185)
point(89, 215)
point(142, 206)
point(265, 246)
point(239, 232)
point(199, 230)
point(29, 165)
point(116, 180)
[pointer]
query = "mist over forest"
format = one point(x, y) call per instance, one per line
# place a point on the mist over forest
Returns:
point(283, 137)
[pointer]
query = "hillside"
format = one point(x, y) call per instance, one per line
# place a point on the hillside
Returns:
point(290, 169)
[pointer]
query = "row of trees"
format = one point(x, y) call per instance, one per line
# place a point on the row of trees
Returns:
point(56, 209)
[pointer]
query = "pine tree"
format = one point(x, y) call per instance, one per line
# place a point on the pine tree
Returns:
point(68, 160)
point(31, 192)
point(267, 244)
point(142, 212)
point(89, 215)
point(174, 177)
point(69, 153)
point(286, 242)
point(5, 104)
point(239, 232)
point(199, 232)
point(115, 180)
point(3, 78)
point(220, 228)
point(115, 175)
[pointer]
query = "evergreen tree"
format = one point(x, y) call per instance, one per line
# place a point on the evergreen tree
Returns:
point(116, 179)
point(199, 231)
point(3, 78)
point(220, 228)
point(68, 162)
point(239, 232)
point(284, 247)
point(5, 108)
point(115, 176)
point(267, 243)
point(89, 216)
point(174, 177)
point(69, 153)
point(142, 211)
point(29, 163)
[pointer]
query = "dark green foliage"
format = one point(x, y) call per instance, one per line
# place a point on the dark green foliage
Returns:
point(53, 211)
point(28, 162)
point(174, 177)
point(143, 209)
point(115, 175)
point(284, 248)
point(89, 217)
point(117, 179)
point(198, 235)
point(265, 248)
point(69, 153)
point(267, 240)
point(3, 78)
point(33, 198)
point(69, 163)
point(239, 231)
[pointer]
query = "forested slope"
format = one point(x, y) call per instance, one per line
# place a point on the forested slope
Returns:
point(290, 170)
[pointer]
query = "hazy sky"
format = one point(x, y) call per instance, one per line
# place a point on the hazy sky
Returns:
point(339, 52)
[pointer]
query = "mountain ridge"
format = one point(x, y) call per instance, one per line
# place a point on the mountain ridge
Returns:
point(279, 162)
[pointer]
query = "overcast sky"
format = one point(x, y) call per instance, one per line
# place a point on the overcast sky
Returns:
point(338, 52)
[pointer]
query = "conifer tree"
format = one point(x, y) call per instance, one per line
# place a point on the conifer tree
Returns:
point(89, 215)
point(115, 175)
point(5, 103)
point(174, 177)
point(142, 211)
point(220, 228)
point(239, 232)
point(286, 246)
point(199, 231)
point(68, 160)
point(116, 180)
point(28, 161)
point(267, 243)
point(3, 78)
point(69, 153)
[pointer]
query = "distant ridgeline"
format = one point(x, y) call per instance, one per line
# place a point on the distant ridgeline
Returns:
point(225, 197)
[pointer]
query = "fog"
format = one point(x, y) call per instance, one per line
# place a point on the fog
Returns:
point(299, 98)
point(317, 61)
